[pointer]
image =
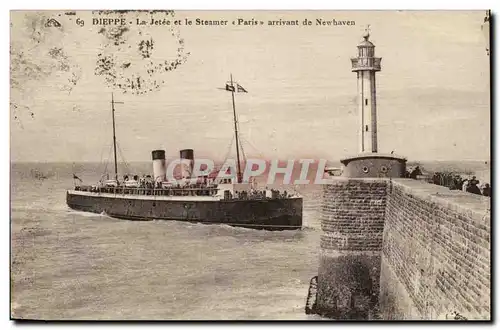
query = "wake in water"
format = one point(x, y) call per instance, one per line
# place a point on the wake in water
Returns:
point(231, 229)
point(177, 269)
point(88, 214)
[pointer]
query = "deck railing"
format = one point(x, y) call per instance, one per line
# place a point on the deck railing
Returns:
point(205, 191)
point(188, 191)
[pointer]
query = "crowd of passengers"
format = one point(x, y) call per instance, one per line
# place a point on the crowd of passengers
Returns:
point(455, 181)
point(146, 186)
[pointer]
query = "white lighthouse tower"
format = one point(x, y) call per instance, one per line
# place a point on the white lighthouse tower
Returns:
point(365, 66)
point(368, 163)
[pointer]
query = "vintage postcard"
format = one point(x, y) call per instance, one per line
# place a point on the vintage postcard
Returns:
point(250, 165)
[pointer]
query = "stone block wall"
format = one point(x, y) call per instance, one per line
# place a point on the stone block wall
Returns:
point(352, 222)
point(435, 254)
point(412, 249)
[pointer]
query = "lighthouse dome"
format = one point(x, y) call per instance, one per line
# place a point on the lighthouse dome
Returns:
point(366, 43)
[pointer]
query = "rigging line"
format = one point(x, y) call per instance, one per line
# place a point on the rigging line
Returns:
point(241, 147)
point(243, 152)
point(251, 145)
point(125, 164)
point(100, 158)
point(240, 133)
point(105, 124)
point(107, 162)
point(229, 149)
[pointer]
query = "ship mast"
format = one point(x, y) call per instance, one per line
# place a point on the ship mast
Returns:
point(233, 89)
point(114, 134)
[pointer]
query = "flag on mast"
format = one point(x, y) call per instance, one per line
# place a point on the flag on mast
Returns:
point(76, 178)
point(240, 89)
point(237, 88)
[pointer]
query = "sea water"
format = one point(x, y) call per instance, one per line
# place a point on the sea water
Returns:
point(74, 265)
point(80, 266)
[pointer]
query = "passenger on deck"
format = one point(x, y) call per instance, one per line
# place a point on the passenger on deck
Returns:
point(415, 173)
point(487, 190)
point(458, 182)
point(473, 188)
point(465, 185)
point(474, 180)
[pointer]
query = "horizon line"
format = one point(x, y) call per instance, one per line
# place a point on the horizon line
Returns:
point(266, 159)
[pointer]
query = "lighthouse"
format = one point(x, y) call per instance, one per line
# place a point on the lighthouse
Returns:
point(349, 273)
point(369, 162)
point(365, 65)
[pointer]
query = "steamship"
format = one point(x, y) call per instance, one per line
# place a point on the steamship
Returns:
point(202, 199)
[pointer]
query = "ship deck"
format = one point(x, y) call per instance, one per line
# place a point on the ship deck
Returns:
point(161, 197)
point(145, 197)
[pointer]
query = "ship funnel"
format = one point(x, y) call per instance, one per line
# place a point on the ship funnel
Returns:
point(187, 166)
point(159, 165)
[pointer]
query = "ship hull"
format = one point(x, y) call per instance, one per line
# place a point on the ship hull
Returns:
point(268, 214)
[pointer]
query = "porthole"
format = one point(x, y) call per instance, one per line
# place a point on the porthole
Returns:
point(365, 169)
point(383, 169)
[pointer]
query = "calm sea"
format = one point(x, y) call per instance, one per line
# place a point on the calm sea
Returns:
point(74, 265)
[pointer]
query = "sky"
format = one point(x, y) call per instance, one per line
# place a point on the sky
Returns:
point(433, 92)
